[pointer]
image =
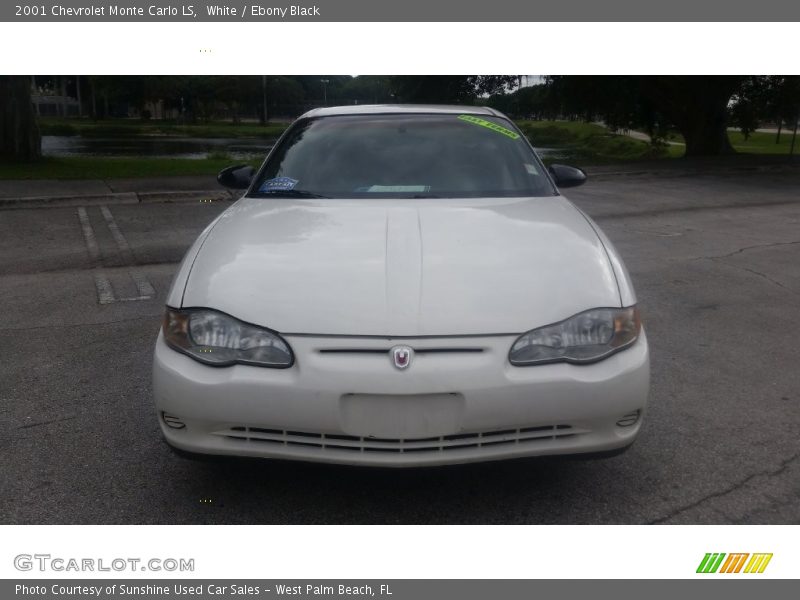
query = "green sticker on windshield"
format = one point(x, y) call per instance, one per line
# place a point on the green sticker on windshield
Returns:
point(489, 125)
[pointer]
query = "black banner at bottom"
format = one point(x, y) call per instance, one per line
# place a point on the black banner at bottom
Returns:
point(713, 586)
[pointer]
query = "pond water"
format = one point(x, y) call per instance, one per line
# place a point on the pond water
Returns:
point(174, 147)
point(155, 146)
point(551, 153)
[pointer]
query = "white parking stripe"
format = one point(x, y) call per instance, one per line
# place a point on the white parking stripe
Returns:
point(144, 287)
point(122, 243)
point(88, 235)
point(105, 294)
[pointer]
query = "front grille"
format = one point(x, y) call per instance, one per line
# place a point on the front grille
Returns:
point(458, 350)
point(277, 437)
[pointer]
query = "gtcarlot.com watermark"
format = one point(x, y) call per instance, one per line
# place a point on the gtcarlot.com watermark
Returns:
point(59, 564)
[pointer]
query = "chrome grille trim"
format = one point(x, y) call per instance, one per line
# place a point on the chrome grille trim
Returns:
point(388, 350)
point(458, 441)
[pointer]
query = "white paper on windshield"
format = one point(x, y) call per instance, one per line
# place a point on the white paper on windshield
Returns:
point(400, 189)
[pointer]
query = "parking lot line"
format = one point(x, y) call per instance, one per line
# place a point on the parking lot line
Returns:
point(146, 291)
point(122, 243)
point(105, 291)
point(88, 234)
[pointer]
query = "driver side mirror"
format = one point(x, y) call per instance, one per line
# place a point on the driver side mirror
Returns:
point(237, 177)
point(566, 176)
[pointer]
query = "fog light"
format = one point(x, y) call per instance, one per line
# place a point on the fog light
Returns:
point(630, 419)
point(172, 422)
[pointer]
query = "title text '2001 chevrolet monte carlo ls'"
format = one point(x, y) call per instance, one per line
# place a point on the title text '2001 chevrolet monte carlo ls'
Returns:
point(401, 286)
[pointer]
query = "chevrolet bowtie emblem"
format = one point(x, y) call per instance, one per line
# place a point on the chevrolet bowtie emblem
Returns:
point(401, 356)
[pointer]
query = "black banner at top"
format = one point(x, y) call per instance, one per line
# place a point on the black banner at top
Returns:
point(405, 11)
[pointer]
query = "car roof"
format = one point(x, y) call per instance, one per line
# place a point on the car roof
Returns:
point(383, 109)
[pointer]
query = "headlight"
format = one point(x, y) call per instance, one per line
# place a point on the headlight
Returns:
point(586, 337)
point(218, 339)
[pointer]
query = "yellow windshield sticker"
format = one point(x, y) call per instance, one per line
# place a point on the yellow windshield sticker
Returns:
point(489, 125)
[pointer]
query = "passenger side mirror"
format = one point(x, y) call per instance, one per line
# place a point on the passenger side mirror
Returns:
point(566, 176)
point(237, 177)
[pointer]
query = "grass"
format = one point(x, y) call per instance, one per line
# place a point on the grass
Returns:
point(763, 143)
point(756, 143)
point(115, 168)
point(588, 143)
point(676, 150)
point(134, 127)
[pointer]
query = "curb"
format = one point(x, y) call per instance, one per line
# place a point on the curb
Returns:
point(117, 198)
point(190, 196)
point(695, 171)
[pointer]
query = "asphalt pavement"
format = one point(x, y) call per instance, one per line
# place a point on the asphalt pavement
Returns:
point(715, 259)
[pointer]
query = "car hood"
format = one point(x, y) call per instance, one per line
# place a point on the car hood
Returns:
point(402, 267)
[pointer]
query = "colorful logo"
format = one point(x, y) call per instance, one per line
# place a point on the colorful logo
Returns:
point(401, 355)
point(734, 563)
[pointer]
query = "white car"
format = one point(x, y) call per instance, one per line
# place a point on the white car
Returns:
point(401, 286)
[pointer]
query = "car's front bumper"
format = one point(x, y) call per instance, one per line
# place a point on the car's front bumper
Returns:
point(344, 402)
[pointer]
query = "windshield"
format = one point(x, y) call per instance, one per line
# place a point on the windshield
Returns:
point(403, 155)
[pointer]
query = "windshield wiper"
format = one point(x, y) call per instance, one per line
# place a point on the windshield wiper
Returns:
point(287, 194)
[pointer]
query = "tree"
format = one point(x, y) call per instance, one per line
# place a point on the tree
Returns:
point(457, 89)
point(530, 102)
point(367, 89)
point(19, 131)
point(697, 106)
point(771, 98)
